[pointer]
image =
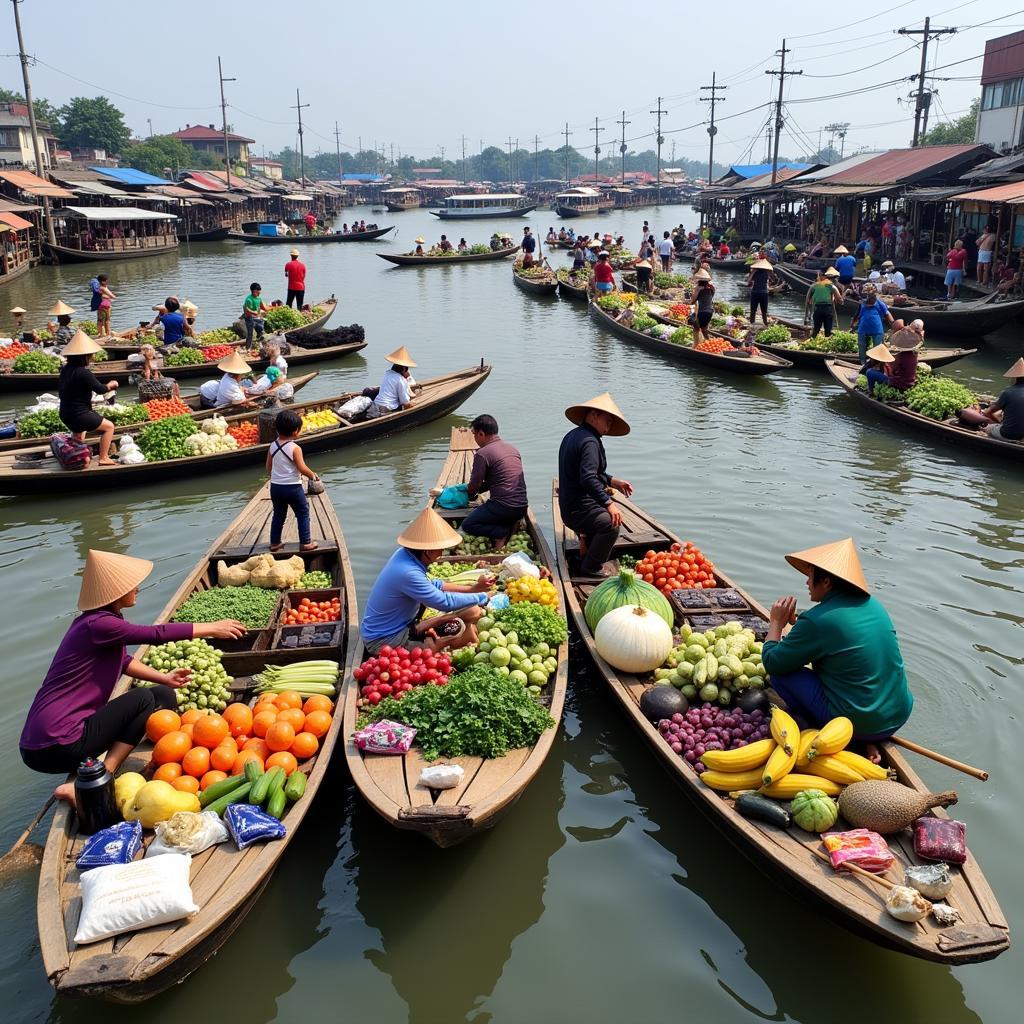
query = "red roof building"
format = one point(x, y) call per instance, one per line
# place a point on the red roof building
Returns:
point(210, 139)
point(1001, 117)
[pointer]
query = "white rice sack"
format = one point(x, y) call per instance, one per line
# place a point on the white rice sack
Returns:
point(124, 897)
point(441, 776)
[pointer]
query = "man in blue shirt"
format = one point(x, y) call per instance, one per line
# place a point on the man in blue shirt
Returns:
point(845, 264)
point(870, 321)
point(403, 590)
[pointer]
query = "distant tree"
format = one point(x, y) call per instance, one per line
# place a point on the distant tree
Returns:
point(162, 155)
point(93, 123)
point(958, 132)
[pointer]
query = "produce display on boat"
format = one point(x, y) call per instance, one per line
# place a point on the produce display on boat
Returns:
point(933, 396)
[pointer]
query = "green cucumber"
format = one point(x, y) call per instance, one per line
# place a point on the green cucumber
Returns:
point(295, 786)
point(219, 789)
point(236, 796)
point(262, 786)
point(276, 803)
point(277, 783)
point(753, 805)
point(253, 772)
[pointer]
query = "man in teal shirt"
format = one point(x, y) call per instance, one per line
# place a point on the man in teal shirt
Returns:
point(253, 309)
point(848, 640)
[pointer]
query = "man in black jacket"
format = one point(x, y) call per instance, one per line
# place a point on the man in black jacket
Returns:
point(584, 497)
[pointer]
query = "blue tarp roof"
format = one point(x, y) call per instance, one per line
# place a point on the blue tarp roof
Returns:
point(361, 176)
point(753, 170)
point(130, 176)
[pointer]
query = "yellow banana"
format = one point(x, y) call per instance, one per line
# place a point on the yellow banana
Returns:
point(832, 738)
point(779, 764)
point(728, 781)
point(830, 767)
point(867, 768)
point(753, 755)
point(784, 730)
point(806, 735)
point(788, 786)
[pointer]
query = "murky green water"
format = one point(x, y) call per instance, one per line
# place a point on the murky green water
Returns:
point(603, 896)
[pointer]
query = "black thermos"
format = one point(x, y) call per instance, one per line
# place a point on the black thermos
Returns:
point(94, 797)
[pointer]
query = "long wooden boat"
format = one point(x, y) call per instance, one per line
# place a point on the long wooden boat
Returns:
point(955, 319)
point(951, 430)
point(490, 786)
point(329, 236)
point(739, 265)
point(440, 260)
point(13, 444)
point(217, 234)
point(35, 471)
point(226, 882)
point(118, 369)
point(546, 285)
point(126, 343)
point(574, 290)
point(69, 254)
point(15, 272)
point(791, 856)
point(738, 363)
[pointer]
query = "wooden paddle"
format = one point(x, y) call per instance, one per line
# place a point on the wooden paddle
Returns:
point(949, 762)
point(16, 858)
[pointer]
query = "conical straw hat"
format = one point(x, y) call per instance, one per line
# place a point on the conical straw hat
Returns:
point(81, 345)
point(603, 403)
point(881, 354)
point(401, 357)
point(234, 363)
point(17, 311)
point(832, 272)
point(429, 532)
point(840, 250)
point(421, 240)
point(189, 308)
point(761, 265)
point(837, 559)
point(701, 275)
point(907, 340)
point(61, 309)
point(1017, 370)
point(108, 576)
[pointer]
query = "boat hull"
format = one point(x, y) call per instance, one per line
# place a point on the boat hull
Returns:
point(65, 254)
point(296, 240)
point(405, 260)
point(456, 214)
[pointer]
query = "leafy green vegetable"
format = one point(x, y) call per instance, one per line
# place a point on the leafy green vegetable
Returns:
point(480, 713)
point(315, 579)
point(682, 336)
point(218, 336)
point(533, 623)
point(446, 570)
point(87, 327)
point(643, 322)
point(186, 356)
point(165, 439)
point(281, 318)
point(125, 414)
point(36, 362)
point(251, 605)
point(40, 424)
point(840, 341)
point(777, 334)
point(939, 397)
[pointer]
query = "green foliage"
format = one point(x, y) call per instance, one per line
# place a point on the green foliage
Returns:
point(643, 322)
point(939, 397)
point(218, 336)
point(777, 334)
point(161, 155)
point(533, 623)
point(165, 439)
point(663, 280)
point(93, 123)
point(840, 341)
point(680, 336)
point(40, 424)
point(281, 318)
point(36, 362)
point(958, 132)
point(185, 357)
point(87, 327)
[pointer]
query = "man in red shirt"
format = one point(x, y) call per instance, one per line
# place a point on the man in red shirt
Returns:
point(955, 260)
point(295, 272)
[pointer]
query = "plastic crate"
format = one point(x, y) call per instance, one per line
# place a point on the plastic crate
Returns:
point(268, 230)
point(292, 598)
point(293, 637)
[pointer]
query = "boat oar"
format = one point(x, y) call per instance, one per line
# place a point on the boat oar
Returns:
point(949, 762)
point(20, 856)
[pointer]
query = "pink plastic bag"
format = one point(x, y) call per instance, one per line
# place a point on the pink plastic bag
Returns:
point(385, 738)
point(860, 847)
point(940, 839)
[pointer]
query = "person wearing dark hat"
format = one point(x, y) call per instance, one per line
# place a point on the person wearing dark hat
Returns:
point(584, 484)
point(76, 386)
point(821, 298)
point(497, 472)
point(403, 590)
point(72, 716)
point(757, 282)
point(644, 275)
point(295, 273)
point(849, 642)
point(1006, 413)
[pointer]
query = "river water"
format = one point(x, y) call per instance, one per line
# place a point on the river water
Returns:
point(603, 896)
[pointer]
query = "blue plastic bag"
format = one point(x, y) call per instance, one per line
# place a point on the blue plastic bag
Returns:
point(248, 824)
point(456, 496)
point(116, 844)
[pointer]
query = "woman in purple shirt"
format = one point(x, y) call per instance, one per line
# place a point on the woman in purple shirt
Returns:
point(72, 716)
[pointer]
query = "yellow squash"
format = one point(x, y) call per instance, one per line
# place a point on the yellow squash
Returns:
point(806, 735)
point(867, 768)
point(788, 786)
point(743, 759)
point(778, 766)
point(784, 730)
point(832, 737)
point(726, 782)
point(828, 766)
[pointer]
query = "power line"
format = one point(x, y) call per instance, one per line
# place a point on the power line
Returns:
point(921, 107)
point(783, 75)
point(714, 90)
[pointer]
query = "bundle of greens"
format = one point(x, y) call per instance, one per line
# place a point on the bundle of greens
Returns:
point(533, 623)
point(250, 605)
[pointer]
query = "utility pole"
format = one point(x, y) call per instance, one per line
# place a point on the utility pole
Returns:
point(510, 178)
point(783, 75)
point(536, 158)
point(567, 133)
point(660, 140)
point(149, 121)
point(834, 129)
point(337, 147)
point(714, 89)
point(302, 154)
point(597, 149)
point(622, 145)
point(922, 105)
point(515, 165)
point(40, 170)
point(393, 157)
point(464, 178)
point(224, 123)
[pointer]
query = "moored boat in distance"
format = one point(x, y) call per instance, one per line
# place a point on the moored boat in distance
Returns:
point(436, 259)
point(477, 207)
point(323, 238)
point(401, 198)
point(580, 201)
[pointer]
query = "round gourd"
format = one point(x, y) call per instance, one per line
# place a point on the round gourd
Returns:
point(754, 700)
point(626, 588)
point(633, 639)
point(663, 701)
point(813, 810)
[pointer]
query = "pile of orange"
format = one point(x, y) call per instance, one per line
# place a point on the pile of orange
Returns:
point(313, 611)
point(198, 748)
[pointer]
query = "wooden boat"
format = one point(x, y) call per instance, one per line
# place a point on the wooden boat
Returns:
point(328, 236)
point(546, 285)
point(217, 234)
point(118, 369)
point(739, 265)
point(574, 289)
point(443, 260)
point(13, 444)
point(35, 471)
point(489, 786)
point(226, 882)
point(15, 272)
point(954, 319)
point(154, 246)
point(737, 362)
point(126, 343)
point(399, 198)
point(790, 856)
point(951, 430)
point(484, 206)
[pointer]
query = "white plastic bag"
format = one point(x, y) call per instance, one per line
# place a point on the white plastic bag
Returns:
point(518, 565)
point(355, 406)
point(441, 776)
point(129, 453)
point(44, 402)
point(187, 832)
point(124, 897)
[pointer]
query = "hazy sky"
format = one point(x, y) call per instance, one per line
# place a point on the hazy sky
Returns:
point(419, 75)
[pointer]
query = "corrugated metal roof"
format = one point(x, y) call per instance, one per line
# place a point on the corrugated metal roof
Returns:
point(97, 188)
point(177, 192)
point(130, 176)
point(7, 206)
point(116, 213)
point(826, 173)
point(201, 181)
point(827, 188)
point(16, 222)
point(1004, 58)
point(28, 182)
point(904, 166)
point(933, 194)
point(756, 170)
point(1011, 193)
point(784, 174)
point(992, 170)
